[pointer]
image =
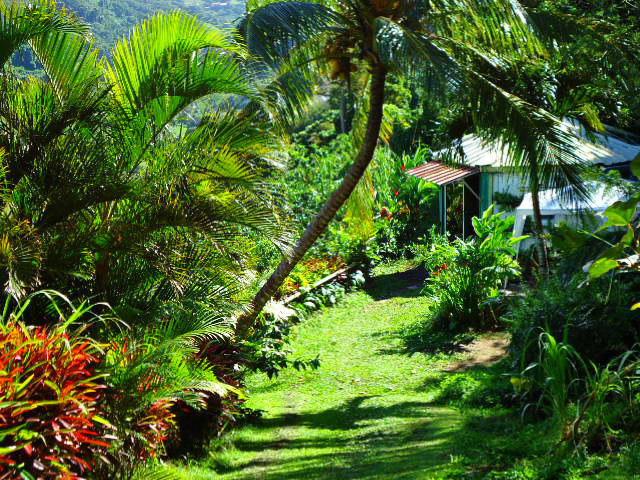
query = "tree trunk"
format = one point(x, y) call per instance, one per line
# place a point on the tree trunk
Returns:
point(333, 204)
point(539, 230)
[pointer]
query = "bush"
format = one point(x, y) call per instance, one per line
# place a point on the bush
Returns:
point(267, 349)
point(50, 403)
point(589, 404)
point(466, 274)
point(596, 315)
point(405, 205)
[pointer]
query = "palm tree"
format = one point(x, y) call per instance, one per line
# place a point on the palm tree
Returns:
point(460, 41)
point(103, 194)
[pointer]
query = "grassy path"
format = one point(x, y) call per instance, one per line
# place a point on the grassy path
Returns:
point(367, 413)
point(364, 414)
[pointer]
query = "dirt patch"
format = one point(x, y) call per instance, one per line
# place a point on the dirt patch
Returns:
point(483, 352)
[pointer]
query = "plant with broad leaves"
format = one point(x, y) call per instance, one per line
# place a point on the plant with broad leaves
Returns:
point(624, 255)
point(466, 274)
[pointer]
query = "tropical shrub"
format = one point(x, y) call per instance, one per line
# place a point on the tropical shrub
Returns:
point(406, 206)
point(590, 404)
point(466, 274)
point(267, 349)
point(151, 374)
point(595, 315)
point(107, 194)
point(51, 400)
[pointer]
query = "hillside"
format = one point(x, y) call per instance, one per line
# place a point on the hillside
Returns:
point(111, 19)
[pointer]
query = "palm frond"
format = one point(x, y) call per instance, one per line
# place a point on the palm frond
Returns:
point(169, 61)
point(273, 30)
point(22, 21)
point(71, 63)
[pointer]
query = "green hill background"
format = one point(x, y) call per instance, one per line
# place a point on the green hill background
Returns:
point(111, 19)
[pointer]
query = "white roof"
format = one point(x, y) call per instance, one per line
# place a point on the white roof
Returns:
point(602, 196)
point(606, 151)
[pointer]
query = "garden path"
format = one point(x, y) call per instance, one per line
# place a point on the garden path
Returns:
point(365, 414)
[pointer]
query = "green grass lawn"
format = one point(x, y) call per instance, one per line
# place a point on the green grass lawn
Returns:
point(368, 411)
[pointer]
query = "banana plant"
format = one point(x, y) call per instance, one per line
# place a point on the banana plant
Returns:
point(625, 254)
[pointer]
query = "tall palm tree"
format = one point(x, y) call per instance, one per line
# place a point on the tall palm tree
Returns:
point(459, 41)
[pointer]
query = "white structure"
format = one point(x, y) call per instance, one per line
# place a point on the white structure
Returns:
point(552, 206)
point(498, 175)
point(489, 171)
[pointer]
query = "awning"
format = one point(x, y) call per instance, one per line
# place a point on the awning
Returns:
point(441, 174)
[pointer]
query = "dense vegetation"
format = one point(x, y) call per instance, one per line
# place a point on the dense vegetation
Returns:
point(151, 190)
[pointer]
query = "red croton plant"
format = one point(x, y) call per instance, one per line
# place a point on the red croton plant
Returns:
point(49, 404)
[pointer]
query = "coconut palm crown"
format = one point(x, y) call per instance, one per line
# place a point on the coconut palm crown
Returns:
point(468, 45)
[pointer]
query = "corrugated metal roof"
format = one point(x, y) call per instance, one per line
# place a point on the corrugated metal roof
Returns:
point(606, 150)
point(441, 174)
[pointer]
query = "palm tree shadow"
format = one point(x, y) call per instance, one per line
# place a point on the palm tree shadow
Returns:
point(363, 451)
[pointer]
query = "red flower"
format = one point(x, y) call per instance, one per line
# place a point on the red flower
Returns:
point(384, 212)
point(402, 167)
point(396, 193)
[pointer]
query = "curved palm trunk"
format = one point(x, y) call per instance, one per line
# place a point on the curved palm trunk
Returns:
point(539, 230)
point(331, 207)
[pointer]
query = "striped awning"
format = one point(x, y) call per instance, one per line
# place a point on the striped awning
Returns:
point(441, 174)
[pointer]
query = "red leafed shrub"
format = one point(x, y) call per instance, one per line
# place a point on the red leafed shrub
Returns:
point(156, 426)
point(49, 395)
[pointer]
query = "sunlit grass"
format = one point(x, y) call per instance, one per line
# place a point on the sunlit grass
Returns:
point(368, 412)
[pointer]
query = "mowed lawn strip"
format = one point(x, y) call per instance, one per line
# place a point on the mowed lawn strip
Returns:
point(364, 413)
point(368, 412)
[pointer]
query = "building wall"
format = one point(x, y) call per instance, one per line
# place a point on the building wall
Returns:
point(492, 182)
point(505, 182)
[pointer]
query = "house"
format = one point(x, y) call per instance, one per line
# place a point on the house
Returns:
point(488, 175)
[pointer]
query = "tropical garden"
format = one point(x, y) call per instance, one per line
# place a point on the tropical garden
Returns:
point(215, 264)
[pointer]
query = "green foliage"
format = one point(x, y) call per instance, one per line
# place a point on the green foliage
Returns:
point(595, 315)
point(466, 274)
point(406, 206)
point(362, 234)
point(105, 196)
point(590, 403)
point(597, 54)
point(268, 348)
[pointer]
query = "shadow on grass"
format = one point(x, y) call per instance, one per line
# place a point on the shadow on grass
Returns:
point(407, 284)
point(429, 438)
point(419, 338)
point(359, 452)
